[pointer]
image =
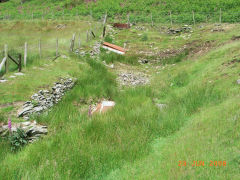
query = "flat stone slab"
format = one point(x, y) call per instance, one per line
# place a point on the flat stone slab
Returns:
point(19, 74)
point(103, 107)
point(3, 81)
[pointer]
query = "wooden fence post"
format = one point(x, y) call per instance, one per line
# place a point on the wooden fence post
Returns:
point(193, 15)
point(105, 19)
point(72, 42)
point(79, 41)
point(128, 18)
point(171, 17)
point(20, 63)
point(25, 55)
point(57, 47)
point(152, 20)
point(220, 17)
point(6, 56)
point(40, 48)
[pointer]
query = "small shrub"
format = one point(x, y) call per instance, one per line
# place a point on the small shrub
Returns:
point(18, 139)
point(144, 37)
point(108, 39)
point(181, 79)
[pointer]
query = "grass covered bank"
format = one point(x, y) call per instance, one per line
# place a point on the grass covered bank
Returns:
point(136, 140)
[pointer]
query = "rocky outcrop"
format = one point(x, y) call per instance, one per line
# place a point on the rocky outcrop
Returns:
point(33, 130)
point(45, 99)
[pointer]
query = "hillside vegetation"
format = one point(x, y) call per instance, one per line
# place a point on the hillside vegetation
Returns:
point(138, 10)
point(136, 140)
point(183, 124)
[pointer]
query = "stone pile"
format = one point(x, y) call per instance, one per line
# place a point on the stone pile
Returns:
point(94, 52)
point(184, 29)
point(33, 130)
point(131, 79)
point(45, 99)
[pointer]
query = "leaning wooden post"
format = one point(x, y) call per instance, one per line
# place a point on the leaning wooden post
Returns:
point(57, 47)
point(171, 17)
point(6, 56)
point(25, 55)
point(220, 16)
point(193, 15)
point(40, 48)
point(20, 63)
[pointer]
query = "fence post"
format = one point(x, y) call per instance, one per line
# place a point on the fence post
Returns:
point(40, 48)
point(72, 42)
point(152, 20)
point(79, 41)
point(57, 47)
point(193, 15)
point(6, 56)
point(105, 19)
point(171, 17)
point(128, 18)
point(220, 17)
point(87, 36)
point(25, 55)
point(20, 63)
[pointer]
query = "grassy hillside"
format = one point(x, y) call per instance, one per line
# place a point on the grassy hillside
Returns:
point(117, 10)
point(136, 140)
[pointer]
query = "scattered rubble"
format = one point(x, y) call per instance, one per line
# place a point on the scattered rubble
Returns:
point(238, 81)
point(45, 99)
point(143, 61)
point(184, 29)
point(94, 52)
point(218, 29)
point(60, 26)
point(161, 106)
point(235, 38)
point(33, 130)
point(131, 79)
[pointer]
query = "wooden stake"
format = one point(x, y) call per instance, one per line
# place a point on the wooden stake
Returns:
point(6, 56)
point(171, 17)
point(20, 63)
point(87, 36)
point(57, 47)
point(105, 19)
point(220, 17)
point(72, 42)
point(79, 41)
point(193, 15)
point(152, 20)
point(40, 48)
point(25, 55)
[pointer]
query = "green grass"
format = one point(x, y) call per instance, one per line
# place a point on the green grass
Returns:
point(136, 140)
point(140, 10)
